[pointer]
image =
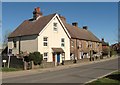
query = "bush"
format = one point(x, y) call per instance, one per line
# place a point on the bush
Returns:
point(113, 52)
point(36, 57)
point(105, 51)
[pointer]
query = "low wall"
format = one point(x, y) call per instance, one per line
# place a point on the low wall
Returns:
point(83, 60)
point(46, 64)
point(67, 62)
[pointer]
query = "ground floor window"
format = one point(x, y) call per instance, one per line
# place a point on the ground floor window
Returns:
point(72, 56)
point(45, 56)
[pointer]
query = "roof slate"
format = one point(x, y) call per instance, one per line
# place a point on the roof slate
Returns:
point(80, 33)
point(31, 27)
point(35, 27)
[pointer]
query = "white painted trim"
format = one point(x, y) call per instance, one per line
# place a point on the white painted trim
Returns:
point(63, 25)
point(60, 22)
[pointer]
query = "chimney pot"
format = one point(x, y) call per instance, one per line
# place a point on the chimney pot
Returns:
point(85, 27)
point(75, 24)
point(102, 39)
point(36, 13)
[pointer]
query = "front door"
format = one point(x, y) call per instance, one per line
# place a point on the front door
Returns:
point(53, 57)
point(80, 55)
point(58, 57)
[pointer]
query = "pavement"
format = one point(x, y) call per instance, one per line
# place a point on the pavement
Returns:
point(78, 73)
point(44, 70)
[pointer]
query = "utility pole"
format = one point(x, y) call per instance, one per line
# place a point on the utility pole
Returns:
point(9, 61)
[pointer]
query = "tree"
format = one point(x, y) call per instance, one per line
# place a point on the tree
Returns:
point(5, 38)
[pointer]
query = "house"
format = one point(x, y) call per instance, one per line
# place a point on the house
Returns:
point(116, 47)
point(105, 47)
point(53, 37)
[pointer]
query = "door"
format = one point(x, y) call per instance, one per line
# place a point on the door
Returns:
point(53, 57)
point(58, 57)
point(80, 55)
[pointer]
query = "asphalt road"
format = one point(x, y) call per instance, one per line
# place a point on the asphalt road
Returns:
point(79, 74)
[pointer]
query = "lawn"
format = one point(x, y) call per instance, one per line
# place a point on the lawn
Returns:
point(112, 79)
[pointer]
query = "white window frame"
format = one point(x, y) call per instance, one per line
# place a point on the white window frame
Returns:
point(87, 44)
point(72, 43)
point(62, 42)
point(97, 45)
point(80, 44)
point(45, 57)
point(91, 45)
point(44, 41)
point(55, 28)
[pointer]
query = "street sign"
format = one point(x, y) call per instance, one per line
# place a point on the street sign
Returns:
point(4, 61)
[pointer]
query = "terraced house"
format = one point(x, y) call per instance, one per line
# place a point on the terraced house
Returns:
point(53, 37)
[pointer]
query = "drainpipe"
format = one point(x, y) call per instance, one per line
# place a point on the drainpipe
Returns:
point(76, 50)
point(19, 44)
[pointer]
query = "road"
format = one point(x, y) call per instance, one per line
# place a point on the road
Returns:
point(81, 74)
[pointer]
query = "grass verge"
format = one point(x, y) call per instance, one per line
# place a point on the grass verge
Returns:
point(112, 79)
point(5, 69)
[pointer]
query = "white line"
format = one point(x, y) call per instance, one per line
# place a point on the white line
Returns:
point(100, 77)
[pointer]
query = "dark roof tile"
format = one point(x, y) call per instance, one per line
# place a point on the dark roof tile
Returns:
point(32, 27)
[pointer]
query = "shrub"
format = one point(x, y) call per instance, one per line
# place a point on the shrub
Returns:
point(105, 51)
point(36, 57)
point(113, 52)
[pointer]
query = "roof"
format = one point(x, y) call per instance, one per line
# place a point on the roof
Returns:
point(79, 33)
point(104, 43)
point(31, 27)
point(57, 50)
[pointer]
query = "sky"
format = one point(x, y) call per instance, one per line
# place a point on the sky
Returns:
point(100, 17)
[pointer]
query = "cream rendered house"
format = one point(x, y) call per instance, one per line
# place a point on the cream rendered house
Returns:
point(53, 37)
point(45, 34)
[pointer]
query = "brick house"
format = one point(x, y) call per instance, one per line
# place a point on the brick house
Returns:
point(53, 37)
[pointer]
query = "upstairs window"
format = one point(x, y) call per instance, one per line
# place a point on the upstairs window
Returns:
point(97, 45)
point(62, 42)
point(45, 41)
point(72, 43)
point(90, 44)
point(14, 43)
point(87, 44)
point(55, 26)
point(80, 44)
point(45, 57)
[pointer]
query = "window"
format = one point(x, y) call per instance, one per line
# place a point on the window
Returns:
point(45, 41)
point(90, 44)
point(14, 42)
point(55, 26)
point(72, 43)
point(87, 44)
point(45, 56)
point(80, 44)
point(97, 45)
point(62, 42)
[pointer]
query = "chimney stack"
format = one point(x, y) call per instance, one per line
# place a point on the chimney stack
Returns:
point(75, 24)
point(36, 13)
point(85, 27)
point(102, 39)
